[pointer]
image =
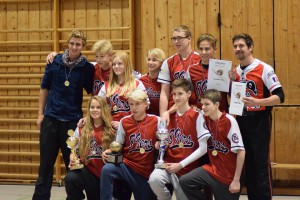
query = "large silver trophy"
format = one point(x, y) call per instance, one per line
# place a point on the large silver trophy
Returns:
point(162, 134)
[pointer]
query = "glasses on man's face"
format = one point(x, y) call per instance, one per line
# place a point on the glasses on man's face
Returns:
point(178, 38)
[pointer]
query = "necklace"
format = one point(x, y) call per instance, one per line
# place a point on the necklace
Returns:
point(186, 114)
point(142, 150)
point(214, 152)
point(67, 82)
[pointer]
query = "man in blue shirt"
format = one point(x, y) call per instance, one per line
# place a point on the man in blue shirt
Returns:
point(60, 103)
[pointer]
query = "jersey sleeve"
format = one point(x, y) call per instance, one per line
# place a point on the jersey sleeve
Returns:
point(102, 92)
point(141, 86)
point(234, 135)
point(270, 78)
point(164, 73)
point(120, 134)
point(137, 75)
point(202, 130)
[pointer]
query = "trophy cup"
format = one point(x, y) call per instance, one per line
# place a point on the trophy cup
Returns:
point(162, 134)
point(115, 156)
point(72, 141)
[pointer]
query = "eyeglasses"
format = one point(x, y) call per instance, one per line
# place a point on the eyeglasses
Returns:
point(178, 38)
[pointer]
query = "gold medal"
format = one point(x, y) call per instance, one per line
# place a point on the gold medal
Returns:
point(214, 152)
point(115, 108)
point(142, 150)
point(181, 144)
point(67, 83)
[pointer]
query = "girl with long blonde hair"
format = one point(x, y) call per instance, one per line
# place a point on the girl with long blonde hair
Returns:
point(121, 82)
point(94, 137)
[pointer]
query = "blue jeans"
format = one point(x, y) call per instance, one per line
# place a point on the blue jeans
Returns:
point(137, 183)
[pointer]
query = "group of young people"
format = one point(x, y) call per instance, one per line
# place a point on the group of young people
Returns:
point(205, 151)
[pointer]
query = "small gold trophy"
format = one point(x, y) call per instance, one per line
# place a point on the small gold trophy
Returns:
point(72, 141)
point(162, 134)
point(115, 156)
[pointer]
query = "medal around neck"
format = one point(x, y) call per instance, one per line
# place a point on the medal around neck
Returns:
point(72, 142)
point(115, 156)
point(67, 83)
point(162, 134)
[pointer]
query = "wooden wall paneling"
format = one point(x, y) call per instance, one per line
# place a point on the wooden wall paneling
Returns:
point(126, 21)
point(266, 35)
point(12, 23)
point(286, 49)
point(294, 51)
point(227, 20)
point(161, 30)
point(148, 31)
point(3, 81)
point(174, 20)
point(187, 16)
point(116, 12)
point(206, 21)
point(23, 23)
point(67, 20)
point(287, 131)
point(80, 15)
point(92, 21)
point(104, 10)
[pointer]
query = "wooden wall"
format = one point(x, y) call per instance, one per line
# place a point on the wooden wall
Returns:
point(30, 29)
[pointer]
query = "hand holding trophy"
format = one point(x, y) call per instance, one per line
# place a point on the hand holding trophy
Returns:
point(115, 156)
point(72, 141)
point(162, 134)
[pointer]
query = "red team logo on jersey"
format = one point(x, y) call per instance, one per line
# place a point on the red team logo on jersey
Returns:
point(97, 86)
point(152, 94)
point(213, 144)
point(251, 85)
point(136, 143)
point(179, 74)
point(122, 105)
point(201, 87)
point(95, 148)
point(177, 137)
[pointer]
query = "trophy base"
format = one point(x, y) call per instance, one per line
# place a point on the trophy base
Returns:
point(78, 166)
point(115, 158)
point(160, 165)
point(94, 157)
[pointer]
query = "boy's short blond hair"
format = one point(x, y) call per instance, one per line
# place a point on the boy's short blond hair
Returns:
point(138, 95)
point(102, 46)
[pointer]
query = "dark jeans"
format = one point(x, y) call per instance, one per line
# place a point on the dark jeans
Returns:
point(76, 181)
point(53, 136)
point(137, 183)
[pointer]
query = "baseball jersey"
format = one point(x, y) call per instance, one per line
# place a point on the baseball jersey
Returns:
point(198, 76)
point(94, 165)
point(119, 105)
point(226, 139)
point(100, 76)
point(174, 68)
point(260, 80)
point(153, 90)
point(138, 139)
point(183, 138)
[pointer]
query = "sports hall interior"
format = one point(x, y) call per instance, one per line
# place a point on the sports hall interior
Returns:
point(30, 29)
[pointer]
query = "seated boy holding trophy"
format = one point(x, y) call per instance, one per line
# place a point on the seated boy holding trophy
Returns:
point(136, 135)
point(184, 128)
